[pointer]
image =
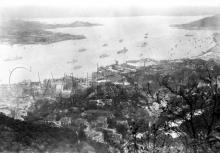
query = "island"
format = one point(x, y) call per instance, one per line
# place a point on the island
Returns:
point(33, 32)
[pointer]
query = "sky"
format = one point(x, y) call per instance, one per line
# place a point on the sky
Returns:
point(111, 3)
point(67, 8)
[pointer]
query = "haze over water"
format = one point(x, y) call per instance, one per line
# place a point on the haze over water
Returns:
point(53, 58)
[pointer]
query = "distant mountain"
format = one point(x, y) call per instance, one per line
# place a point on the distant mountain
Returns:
point(212, 23)
point(74, 24)
point(207, 23)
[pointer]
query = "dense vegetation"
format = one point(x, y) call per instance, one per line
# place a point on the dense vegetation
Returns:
point(169, 107)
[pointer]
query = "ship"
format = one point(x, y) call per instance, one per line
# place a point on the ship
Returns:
point(77, 67)
point(103, 56)
point(82, 50)
point(104, 45)
point(123, 51)
point(144, 44)
point(189, 35)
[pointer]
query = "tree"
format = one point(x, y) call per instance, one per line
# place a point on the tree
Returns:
point(194, 100)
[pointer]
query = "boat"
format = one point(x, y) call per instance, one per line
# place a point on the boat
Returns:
point(123, 51)
point(144, 44)
point(103, 56)
point(189, 35)
point(82, 50)
point(77, 67)
point(121, 40)
point(104, 45)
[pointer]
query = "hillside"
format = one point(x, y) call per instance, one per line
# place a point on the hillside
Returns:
point(26, 137)
point(213, 52)
point(110, 116)
point(212, 23)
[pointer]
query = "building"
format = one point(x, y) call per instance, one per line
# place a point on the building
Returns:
point(113, 73)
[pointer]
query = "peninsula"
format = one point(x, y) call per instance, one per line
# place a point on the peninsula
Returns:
point(33, 32)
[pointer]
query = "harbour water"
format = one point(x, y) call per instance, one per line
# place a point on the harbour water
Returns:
point(143, 37)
